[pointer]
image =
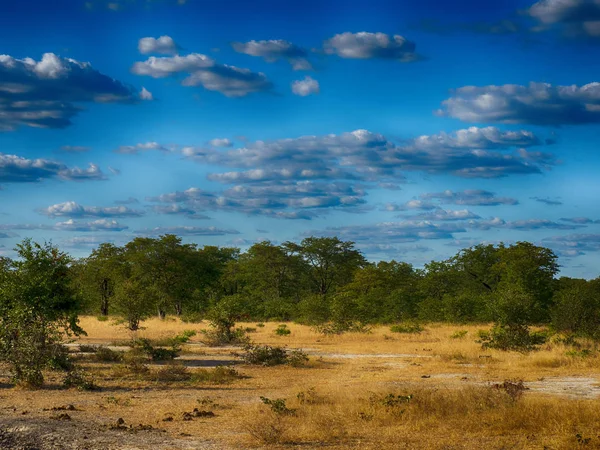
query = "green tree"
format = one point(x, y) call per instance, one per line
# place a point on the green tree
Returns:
point(331, 262)
point(98, 275)
point(38, 307)
point(576, 308)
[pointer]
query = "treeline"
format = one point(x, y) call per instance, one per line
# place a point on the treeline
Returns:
point(324, 279)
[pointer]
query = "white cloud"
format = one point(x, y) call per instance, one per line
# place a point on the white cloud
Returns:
point(305, 87)
point(75, 210)
point(537, 103)
point(203, 71)
point(366, 45)
point(163, 45)
point(275, 49)
point(45, 93)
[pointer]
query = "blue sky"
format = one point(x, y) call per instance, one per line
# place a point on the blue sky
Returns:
point(411, 128)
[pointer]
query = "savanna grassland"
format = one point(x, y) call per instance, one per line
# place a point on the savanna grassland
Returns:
point(375, 389)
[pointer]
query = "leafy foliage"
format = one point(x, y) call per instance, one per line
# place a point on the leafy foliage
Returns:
point(38, 307)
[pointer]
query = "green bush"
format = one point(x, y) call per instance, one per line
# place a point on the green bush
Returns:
point(459, 334)
point(283, 330)
point(266, 355)
point(515, 337)
point(408, 328)
point(105, 354)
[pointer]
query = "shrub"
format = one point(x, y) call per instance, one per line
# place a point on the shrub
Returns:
point(172, 373)
point(266, 355)
point(278, 406)
point(408, 328)
point(459, 334)
point(105, 354)
point(145, 346)
point(515, 337)
point(260, 325)
point(102, 318)
point(38, 306)
point(218, 375)
point(332, 328)
point(78, 379)
point(283, 330)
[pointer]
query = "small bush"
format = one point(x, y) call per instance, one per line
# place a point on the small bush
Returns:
point(218, 337)
point(102, 318)
point(516, 337)
point(172, 373)
point(218, 375)
point(583, 353)
point(87, 348)
point(80, 380)
point(175, 341)
point(260, 325)
point(278, 406)
point(459, 334)
point(145, 346)
point(283, 330)
point(266, 355)
point(332, 328)
point(408, 328)
point(250, 330)
point(104, 354)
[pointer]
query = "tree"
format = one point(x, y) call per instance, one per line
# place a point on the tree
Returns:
point(167, 269)
point(331, 262)
point(98, 275)
point(38, 307)
point(576, 308)
point(385, 292)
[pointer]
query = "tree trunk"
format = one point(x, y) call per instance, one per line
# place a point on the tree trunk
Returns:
point(161, 313)
point(178, 309)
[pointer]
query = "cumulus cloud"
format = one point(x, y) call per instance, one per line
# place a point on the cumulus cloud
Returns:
point(128, 201)
point(410, 205)
point(574, 244)
point(579, 220)
point(70, 225)
point(46, 93)
point(445, 214)
point(75, 210)
point(221, 142)
point(273, 50)
point(547, 201)
point(364, 45)
point(522, 225)
point(364, 155)
point(291, 200)
point(96, 225)
point(391, 232)
point(85, 242)
point(204, 71)
point(145, 94)
point(141, 147)
point(576, 17)
point(16, 169)
point(164, 45)
point(471, 197)
point(301, 177)
point(186, 231)
point(537, 103)
point(305, 87)
point(176, 209)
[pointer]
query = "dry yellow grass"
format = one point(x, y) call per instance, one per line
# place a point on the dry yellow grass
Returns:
point(452, 404)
